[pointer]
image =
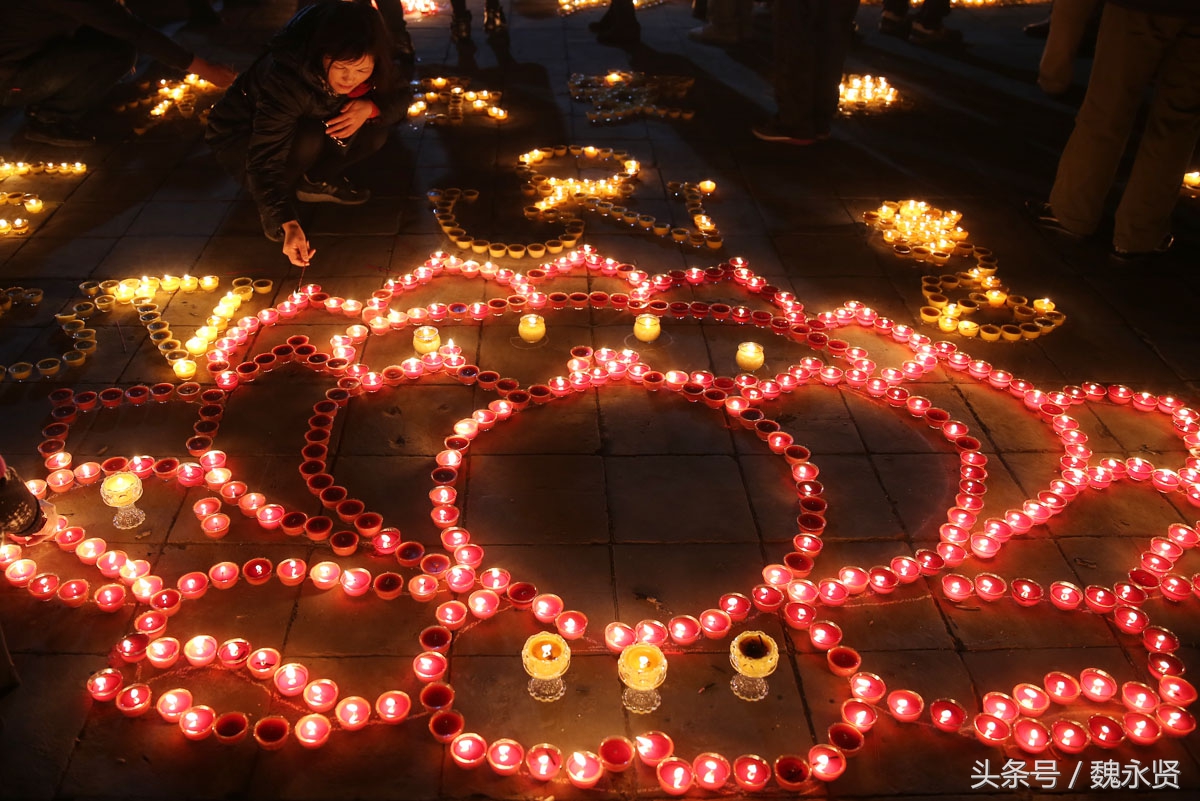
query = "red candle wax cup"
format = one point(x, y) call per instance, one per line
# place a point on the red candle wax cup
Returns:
point(110, 597)
point(792, 772)
point(104, 685)
point(1069, 737)
point(990, 730)
point(1031, 736)
point(653, 747)
point(1141, 728)
point(543, 761)
point(616, 753)
point(172, 704)
point(948, 715)
point(1176, 690)
point(392, 706)
point(445, 725)
point(571, 624)
point(827, 762)
point(1097, 685)
point(355, 581)
point(197, 722)
point(906, 706)
point(751, 772)
point(1032, 700)
point(675, 776)
point(1175, 722)
point(312, 730)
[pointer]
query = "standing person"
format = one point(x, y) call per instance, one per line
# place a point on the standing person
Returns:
point(460, 20)
point(924, 27)
point(727, 22)
point(811, 38)
point(1141, 43)
point(59, 58)
point(321, 98)
point(619, 25)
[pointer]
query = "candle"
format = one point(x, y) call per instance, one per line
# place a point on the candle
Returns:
point(173, 703)
point(642, 668)
point(312, 731)
point(749, 356)
point(646, 327)
point(468, 750)
point(426, 339)
point(543, 761)
point(584, 769)
point(754, 655)
point(505, 757)
point(675, 776)
point(532, 328)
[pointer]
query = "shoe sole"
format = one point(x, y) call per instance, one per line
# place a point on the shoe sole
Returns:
point(786, 140)
point(310, 197)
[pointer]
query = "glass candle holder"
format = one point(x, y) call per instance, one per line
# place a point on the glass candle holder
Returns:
point(754, 655)
point(121, 491)
point(642, 668)
point(546, 658)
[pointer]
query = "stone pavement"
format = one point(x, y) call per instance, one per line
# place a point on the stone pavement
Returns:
point(631, 506)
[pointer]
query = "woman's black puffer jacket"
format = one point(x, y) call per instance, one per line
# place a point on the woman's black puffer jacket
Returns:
point(259, 113)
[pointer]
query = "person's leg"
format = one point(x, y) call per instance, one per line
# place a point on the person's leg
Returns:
point(70, 77)
point(622, 27)
point(927, 27)
point(317, 165)
point(1143, 222)
point(460, 21)
point(1068, 21)
point(721, 25)
point(493, 17)
point(794, 62)
point(1128, 53)
point(834, 33)
point(893, 20)
point(393, 17)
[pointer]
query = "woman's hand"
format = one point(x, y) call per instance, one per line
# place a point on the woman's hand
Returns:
point(351, 118)
point(295, 244)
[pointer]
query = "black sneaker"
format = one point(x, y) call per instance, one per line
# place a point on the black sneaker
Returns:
point(460, 27)
point(773, 132)
point(493, 20)
point(1041, 213)
point(58, 134)
point(934, 36)
point(341, 192)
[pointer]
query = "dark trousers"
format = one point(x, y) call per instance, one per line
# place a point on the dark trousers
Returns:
point(313, 154)
point(69, 77)
point(930, 15)
point(460, 6)
point(811, 40)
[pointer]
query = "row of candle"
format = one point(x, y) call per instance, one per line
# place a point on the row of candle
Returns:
point(857, 318)
point(11, 168)
point(859, 93)
point(458, 99)
point(566, 7)
point(618, 96)
point(931, 235)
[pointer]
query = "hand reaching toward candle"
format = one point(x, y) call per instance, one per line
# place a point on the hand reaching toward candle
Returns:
point(217, 74)
point(350, 119)
point(295, 244)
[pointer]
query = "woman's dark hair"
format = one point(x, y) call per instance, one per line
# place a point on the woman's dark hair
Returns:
point(347, 30)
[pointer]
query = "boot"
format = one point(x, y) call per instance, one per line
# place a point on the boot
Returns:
point(460, 27)
point(493, 19)
point(725, 23)
point(623, 29)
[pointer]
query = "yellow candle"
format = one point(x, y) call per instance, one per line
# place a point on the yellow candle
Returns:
point(189, 283)
point(1043, 305)
point(206, 333)
point(532, 328)
point(124, 294)
point(642, 666)
point(646, 327)
point(632, 167)
point(184, 369)
point(1192, 179)
point(121, 489)
point(169, 283)
point(947, 323)
point(426, 339)
point(754, 654)
point(546, 656)
point(34, 205)
point(750, 356)
point(708, 187)
point(209, 282)
point(996, 297)
point(968, 328)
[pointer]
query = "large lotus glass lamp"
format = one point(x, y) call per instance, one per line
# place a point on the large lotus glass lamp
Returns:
point(121, 491)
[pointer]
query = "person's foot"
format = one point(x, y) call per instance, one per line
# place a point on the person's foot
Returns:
point(58, 134)
point(460, 27)
point(1041, 213)
point(1162, 247)
point(940, 35)
point(894, 24)
point(623, 33)
point(493, 20)
point(1038, 30)
point(708, 34)
point(774, 132)
point(342, 192)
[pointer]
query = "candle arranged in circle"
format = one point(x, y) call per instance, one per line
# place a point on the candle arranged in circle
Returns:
point(426, 339)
